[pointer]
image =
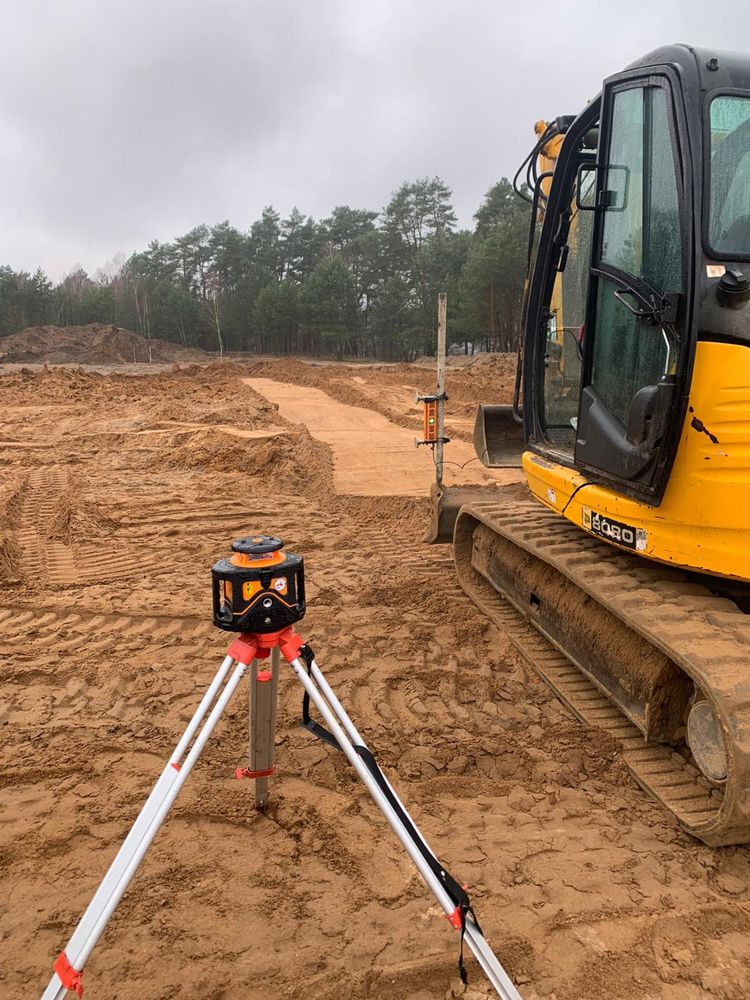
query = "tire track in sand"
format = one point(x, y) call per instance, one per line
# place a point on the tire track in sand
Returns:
point(52, 561)
point(39, 499)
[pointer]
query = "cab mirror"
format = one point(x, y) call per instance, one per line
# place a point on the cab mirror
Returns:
point(586, 187)
point(614, 197)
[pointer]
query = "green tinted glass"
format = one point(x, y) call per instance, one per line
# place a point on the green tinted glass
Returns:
point(641, 234)
point(729, 214)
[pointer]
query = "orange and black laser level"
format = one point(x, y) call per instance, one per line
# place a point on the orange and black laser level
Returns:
point(258, 589)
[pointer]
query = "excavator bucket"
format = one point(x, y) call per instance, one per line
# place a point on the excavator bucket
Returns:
point(498, 437)
point(445, 503)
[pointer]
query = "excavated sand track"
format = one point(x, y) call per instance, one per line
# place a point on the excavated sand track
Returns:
point(583, 885)
point(372, 456)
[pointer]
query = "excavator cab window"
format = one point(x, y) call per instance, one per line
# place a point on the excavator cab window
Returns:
point(643, 243)
point(566, 315)
point(607, 344)
point(729, 213)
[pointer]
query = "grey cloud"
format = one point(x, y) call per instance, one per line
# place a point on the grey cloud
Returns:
point(120, 123)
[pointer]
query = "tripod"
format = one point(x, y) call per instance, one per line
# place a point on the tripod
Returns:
point(249, 651)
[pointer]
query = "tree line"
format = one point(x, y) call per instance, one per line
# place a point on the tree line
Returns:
point(358, 283)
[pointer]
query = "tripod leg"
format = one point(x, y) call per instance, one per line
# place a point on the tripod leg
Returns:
point(263, 697)
point(70, 963)
point(382, 793)
point(367, 779)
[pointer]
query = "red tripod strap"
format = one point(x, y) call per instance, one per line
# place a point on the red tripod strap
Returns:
point(70, 978)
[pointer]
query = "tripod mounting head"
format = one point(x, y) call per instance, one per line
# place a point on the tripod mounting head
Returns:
point(260, 588)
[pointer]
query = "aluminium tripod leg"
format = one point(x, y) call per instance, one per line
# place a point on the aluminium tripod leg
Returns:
point(382, 793)
point(70, 962)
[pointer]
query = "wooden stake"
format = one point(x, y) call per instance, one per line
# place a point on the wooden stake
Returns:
point(441, 351)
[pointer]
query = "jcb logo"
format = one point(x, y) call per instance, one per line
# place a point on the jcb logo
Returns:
point(615, 531)
point(611, 529)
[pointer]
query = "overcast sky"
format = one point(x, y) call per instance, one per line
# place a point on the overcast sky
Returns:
point(122, 121)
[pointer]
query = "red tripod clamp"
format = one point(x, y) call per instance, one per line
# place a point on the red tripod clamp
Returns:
point(245, 772)
point(253, 645)
point(69, 977)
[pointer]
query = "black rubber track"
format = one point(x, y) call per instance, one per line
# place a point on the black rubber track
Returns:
point(706, 636)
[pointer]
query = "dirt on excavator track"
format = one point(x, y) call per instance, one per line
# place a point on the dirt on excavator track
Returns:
point(118, 492)
point(649, 625)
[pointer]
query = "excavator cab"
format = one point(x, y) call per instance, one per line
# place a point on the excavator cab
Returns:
point(637, 304)
point(638, 408)
point(615, 272)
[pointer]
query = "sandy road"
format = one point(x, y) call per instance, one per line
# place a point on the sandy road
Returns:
point(117, 493)
point(372, 456)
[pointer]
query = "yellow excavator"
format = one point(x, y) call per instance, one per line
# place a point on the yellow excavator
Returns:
point(631, 421)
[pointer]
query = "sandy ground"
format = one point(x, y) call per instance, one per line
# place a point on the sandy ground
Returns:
point(371, 455)
point(117, 494)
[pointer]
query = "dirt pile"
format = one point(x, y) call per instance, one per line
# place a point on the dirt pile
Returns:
point(214, 394)
point(76, 518)
point(291, 461)
point(95, 343)
point(191, 393)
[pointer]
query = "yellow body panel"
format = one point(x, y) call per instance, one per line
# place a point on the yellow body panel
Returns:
point(703, 521)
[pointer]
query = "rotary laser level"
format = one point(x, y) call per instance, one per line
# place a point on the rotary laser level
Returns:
point(259, 588)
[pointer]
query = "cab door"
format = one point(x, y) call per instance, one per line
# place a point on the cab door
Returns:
point(636, 350)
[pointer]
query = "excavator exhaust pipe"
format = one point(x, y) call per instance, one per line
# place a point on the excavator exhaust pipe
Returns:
point(499, 442)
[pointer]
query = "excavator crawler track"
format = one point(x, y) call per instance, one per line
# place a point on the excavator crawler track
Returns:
point(675, 630)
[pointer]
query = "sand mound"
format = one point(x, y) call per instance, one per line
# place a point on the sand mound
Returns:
point(96, 343)
point(77, 519)
point(292, 462)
